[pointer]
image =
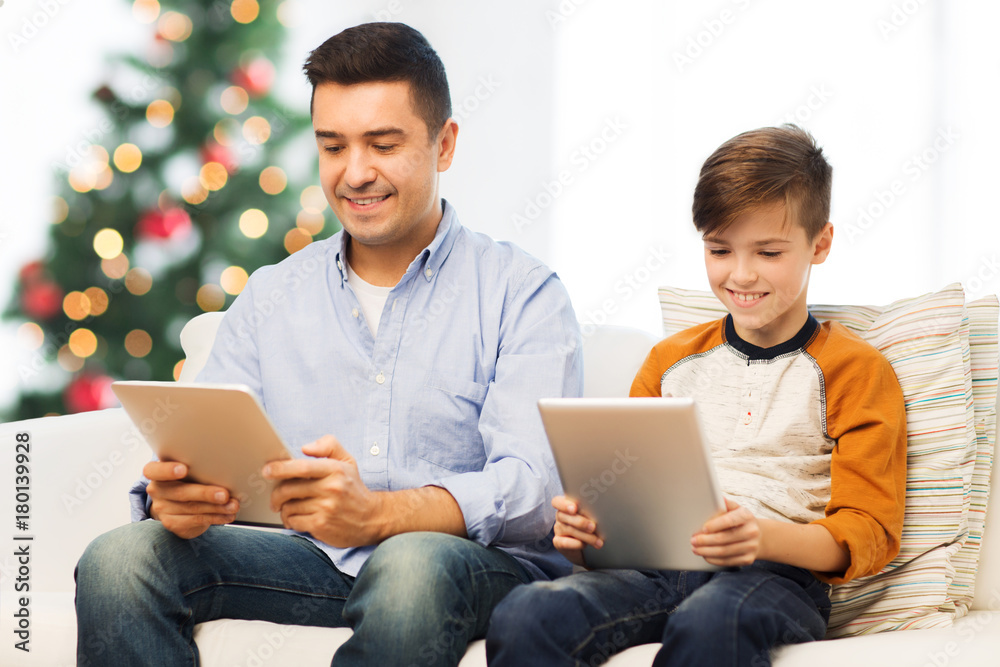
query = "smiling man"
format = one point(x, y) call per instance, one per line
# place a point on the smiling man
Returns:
point(402, 363)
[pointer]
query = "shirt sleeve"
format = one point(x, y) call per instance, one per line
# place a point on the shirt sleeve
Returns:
point(647, 380)
point(234, 351)
point(509, 501)
point(866, 416)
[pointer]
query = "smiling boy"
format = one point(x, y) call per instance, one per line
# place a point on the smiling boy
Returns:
point(807, 429)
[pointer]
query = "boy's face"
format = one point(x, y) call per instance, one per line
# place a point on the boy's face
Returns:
point(759, 268)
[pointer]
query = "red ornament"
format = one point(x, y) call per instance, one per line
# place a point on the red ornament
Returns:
point(256, 77)
point(41, 299)
point(32, 272)
point(213, 152)
point(163, 225)
point(89, 392)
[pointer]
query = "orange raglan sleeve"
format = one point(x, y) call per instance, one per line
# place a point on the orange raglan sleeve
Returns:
point(867, 418)
point(647, 380)
point(694, 340)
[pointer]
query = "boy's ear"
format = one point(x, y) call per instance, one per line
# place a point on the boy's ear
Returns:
point(822, 243)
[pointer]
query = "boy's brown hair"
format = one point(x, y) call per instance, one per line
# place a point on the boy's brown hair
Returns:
point(374, 52)
point(761, 167)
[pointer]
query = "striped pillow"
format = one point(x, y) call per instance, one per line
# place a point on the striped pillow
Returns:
point(983, 315)
point(926, 339)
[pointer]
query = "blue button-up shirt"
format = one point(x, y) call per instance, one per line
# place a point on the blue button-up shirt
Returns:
point(444, 394)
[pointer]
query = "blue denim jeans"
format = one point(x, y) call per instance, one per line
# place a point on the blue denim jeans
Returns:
point(418, 600)
point(717, 619)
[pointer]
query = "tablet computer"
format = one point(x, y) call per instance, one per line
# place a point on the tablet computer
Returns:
point(220, 431)
point(642, 469)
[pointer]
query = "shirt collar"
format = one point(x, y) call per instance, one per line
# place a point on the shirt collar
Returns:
point(430, 258)
point(755, 353)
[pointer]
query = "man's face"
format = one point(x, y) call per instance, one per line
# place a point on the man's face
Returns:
point(377, 164)
point(759, 268)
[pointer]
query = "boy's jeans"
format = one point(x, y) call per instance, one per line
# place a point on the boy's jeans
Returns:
point(418, 600)
point(718, 619)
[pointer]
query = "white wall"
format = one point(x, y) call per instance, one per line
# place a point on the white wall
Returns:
point(877, 81)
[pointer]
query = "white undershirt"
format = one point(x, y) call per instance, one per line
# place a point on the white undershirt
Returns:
point(371, 297)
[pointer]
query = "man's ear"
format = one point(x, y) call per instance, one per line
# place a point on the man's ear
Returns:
point(822, 243)
point(446, 144)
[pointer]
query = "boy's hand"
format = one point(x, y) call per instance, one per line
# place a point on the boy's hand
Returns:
point(573, 531)
point(729, 539)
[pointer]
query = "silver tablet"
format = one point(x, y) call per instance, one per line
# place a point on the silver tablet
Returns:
point(641, 468)
point(219, 431)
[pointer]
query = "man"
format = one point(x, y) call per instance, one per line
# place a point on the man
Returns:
point(408, 354)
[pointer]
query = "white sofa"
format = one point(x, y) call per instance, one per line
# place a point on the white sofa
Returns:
point(82, 466)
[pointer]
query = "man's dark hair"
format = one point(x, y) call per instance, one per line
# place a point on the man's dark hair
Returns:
point(385, 52)
point(763, 167)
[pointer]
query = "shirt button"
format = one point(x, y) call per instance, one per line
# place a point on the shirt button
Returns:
point(380, 378)
point(374, 450)
point(428, 273)
point(354, 312)
point(747, 419)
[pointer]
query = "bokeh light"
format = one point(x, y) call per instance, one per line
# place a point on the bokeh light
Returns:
point(310, 221)
point(69, 361)
point(160, 113)
point(30, 336)
point(103, 177)
point(76, 305)
point(244, 11)
point(128, 157)
point(174, 26)
point(83, 177)
point(98, 300)
point(82, 343)
point(60, 210)
point(253, 223)
point(138, 281)
point(312, 199)
point(234, 100)
point(178, 367)
point(256, 130)
point(108, 243)
point(296, 239)
point(99, 154)
point(213, 176)
point(138, 343)
point(273, 180)
point(225, 130)
point(210, 298)
point(193, 192)
point(116, 267)
point(286, 14)
point(145, 11)
point(233, 280)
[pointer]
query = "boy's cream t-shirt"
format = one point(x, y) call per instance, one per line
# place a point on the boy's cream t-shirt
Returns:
point(812, 430)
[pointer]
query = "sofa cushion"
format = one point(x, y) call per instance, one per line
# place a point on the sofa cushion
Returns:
point(926, 339)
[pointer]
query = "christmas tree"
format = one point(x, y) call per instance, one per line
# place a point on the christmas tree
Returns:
point(194, 179)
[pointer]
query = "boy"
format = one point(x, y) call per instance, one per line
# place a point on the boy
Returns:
point(808, 433)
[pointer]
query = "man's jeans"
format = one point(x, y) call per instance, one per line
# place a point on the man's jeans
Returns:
point(716, 619)
point(418, 600)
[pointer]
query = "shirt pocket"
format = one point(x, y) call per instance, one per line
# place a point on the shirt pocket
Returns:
point(448, 412)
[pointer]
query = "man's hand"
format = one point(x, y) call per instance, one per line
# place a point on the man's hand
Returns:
point(573, 531)
point(324, 496)
point(184, 508)
point(729, 539)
